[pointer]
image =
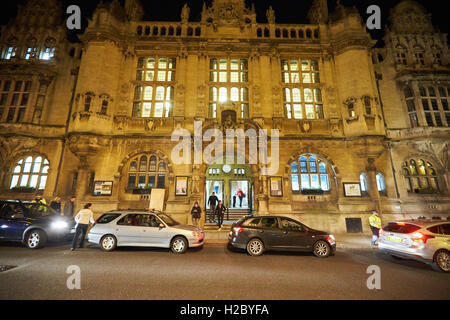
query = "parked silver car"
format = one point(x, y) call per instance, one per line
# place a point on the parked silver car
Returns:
point(143, 229)
point(424, 240)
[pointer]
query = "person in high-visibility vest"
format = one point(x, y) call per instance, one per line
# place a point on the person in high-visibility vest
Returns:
point(375, 226)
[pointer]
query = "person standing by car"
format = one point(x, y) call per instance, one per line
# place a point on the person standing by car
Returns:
point(212, 201)
point(83, 218)
point(220, 212)
point(56, 204)
point(375, 226)
point(196, 212)
point(43, 207)
point(69, 207)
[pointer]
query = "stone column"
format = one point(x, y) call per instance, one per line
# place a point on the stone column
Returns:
point(82, 181)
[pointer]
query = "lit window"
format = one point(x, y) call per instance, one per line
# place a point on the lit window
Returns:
point(381, 184)
point(146, 172)
point(48, 53)
point(313, 174)
point(420, 176)
point(30, 172)
point(11, 52)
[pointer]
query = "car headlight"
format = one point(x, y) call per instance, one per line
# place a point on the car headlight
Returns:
point(59, 225)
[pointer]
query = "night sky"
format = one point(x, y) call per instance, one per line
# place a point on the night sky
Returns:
point(286, 11)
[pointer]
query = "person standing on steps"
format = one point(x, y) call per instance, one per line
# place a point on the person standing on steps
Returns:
point(220, 212)
point(212, 201)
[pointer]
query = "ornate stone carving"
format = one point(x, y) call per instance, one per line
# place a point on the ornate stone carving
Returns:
point(270, 14)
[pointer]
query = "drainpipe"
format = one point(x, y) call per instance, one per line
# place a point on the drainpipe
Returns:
point(385, 130)
point(73, 72)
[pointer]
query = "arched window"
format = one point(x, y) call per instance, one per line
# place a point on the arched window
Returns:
point(420, 176)
point(363, 182)
point(381, 184)
point(309, 172)
point(145, 172)
point(30, 172)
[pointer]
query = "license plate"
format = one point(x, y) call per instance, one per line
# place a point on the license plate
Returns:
point(394, 239)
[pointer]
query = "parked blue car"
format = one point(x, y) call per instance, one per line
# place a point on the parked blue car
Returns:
point(32, 224)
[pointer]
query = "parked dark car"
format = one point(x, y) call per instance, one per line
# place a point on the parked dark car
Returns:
point(32, 224)
point(257, 234)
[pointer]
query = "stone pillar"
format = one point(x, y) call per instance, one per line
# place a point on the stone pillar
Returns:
point(82, 181)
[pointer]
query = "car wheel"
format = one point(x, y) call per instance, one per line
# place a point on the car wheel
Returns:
point(255, 247)
point(108, 242)
point(321, 249)
point(36, 239)
point(442, 261)
point(179, 245)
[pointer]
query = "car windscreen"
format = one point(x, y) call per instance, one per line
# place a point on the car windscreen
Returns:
point(35, 210)
point(167, 220)
point(107, 217)
point(401, 227)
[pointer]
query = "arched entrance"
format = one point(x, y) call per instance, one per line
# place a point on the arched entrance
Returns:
point(226, 180)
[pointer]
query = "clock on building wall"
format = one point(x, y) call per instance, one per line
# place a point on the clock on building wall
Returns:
point(226, 168)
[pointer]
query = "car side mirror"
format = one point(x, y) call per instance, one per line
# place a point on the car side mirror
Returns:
point(161, 226)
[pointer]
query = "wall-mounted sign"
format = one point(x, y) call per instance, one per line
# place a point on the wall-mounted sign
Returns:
point(181, 186)
point(276, 186)
point(352, 189)
point(103, 188)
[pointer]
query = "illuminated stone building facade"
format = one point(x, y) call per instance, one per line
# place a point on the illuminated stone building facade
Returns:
point(98, 115)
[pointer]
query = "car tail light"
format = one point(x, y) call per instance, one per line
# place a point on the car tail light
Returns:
point(420, 237)
point(95, 222)
point(237, 229)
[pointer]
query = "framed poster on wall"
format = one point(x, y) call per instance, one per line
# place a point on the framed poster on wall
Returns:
point(276, 187)
point(181, 186)
point(103, 188)
point(352, 189)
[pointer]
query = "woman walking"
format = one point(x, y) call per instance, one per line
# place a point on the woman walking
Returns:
point(196, 212)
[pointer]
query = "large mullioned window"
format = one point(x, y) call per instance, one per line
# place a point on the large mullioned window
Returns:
point(14, 99)
point(301, 94)
point(146, 171)
point(309, 172)
point(30, 172)
point(228, 78)
point(435, 104)
point(419, 176)
point(154, 95)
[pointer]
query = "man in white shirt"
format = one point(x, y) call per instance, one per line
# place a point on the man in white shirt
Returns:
point(83, 218)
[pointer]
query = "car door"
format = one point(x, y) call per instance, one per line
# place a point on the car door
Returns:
point(269, 232)
point(13, 222)
point(128, 232)
point(294, 235)
point(152, 234)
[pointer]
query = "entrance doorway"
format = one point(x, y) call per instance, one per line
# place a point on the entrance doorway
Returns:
point(228, 181)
